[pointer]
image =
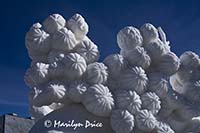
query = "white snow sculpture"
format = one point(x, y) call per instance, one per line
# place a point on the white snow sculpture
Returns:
point(146, 121)
point(77, 90)
point(78, 26)
point(116, 64)
point(136, 89)
point(149, 33)
point(128, 100)
point(54, 23)
point(97, 73)
point(129, 37)
point(88, 50)
point(74, 66)
point(137, 57)
point(134, 79)
point(122, 121)
point(98, 100)
point(151, 102)
point(63, 40)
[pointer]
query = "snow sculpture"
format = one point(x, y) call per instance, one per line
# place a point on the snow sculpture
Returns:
point(143, 88)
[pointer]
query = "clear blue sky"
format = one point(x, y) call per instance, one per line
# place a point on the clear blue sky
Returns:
point(180, 20)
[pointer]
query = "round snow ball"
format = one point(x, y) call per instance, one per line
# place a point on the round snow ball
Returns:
point(37, 40)
point(189, 59)
point(75, 66)
point(63, 40)
point(37, 74)
point(116, 64)
point(129, 37)
point(78, 26)
point(122, 121)
point(88, 50)
point(155, 50)
point(146, 121)
point(163, 128)
point(129, 100)
point(98, 100)
point(151, 102)
point(149, 33)
point(168, 64)
point(96, 73)
point(77, 90)
point(54, 23)
point(137, 57)
point(134, 79)
point(158, 83)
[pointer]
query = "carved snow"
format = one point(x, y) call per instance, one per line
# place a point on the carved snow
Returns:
point(128, 100)
point(134, 79)
point(63, 40)
point(74, 66)
point(149, 33)
point(151, 102)
point(88, 50)
point(98, 100)
point(116, 64)
point(65, 70)
point(54, 23)
point(78, 26)
point(97, 73)
point(146, 121)
point(77, 90)
point(129, 37)
point(137, 57)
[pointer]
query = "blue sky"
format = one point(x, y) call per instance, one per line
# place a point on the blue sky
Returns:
point(179, 19)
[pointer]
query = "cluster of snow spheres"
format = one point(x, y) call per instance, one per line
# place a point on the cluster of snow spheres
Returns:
point(145, 88)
